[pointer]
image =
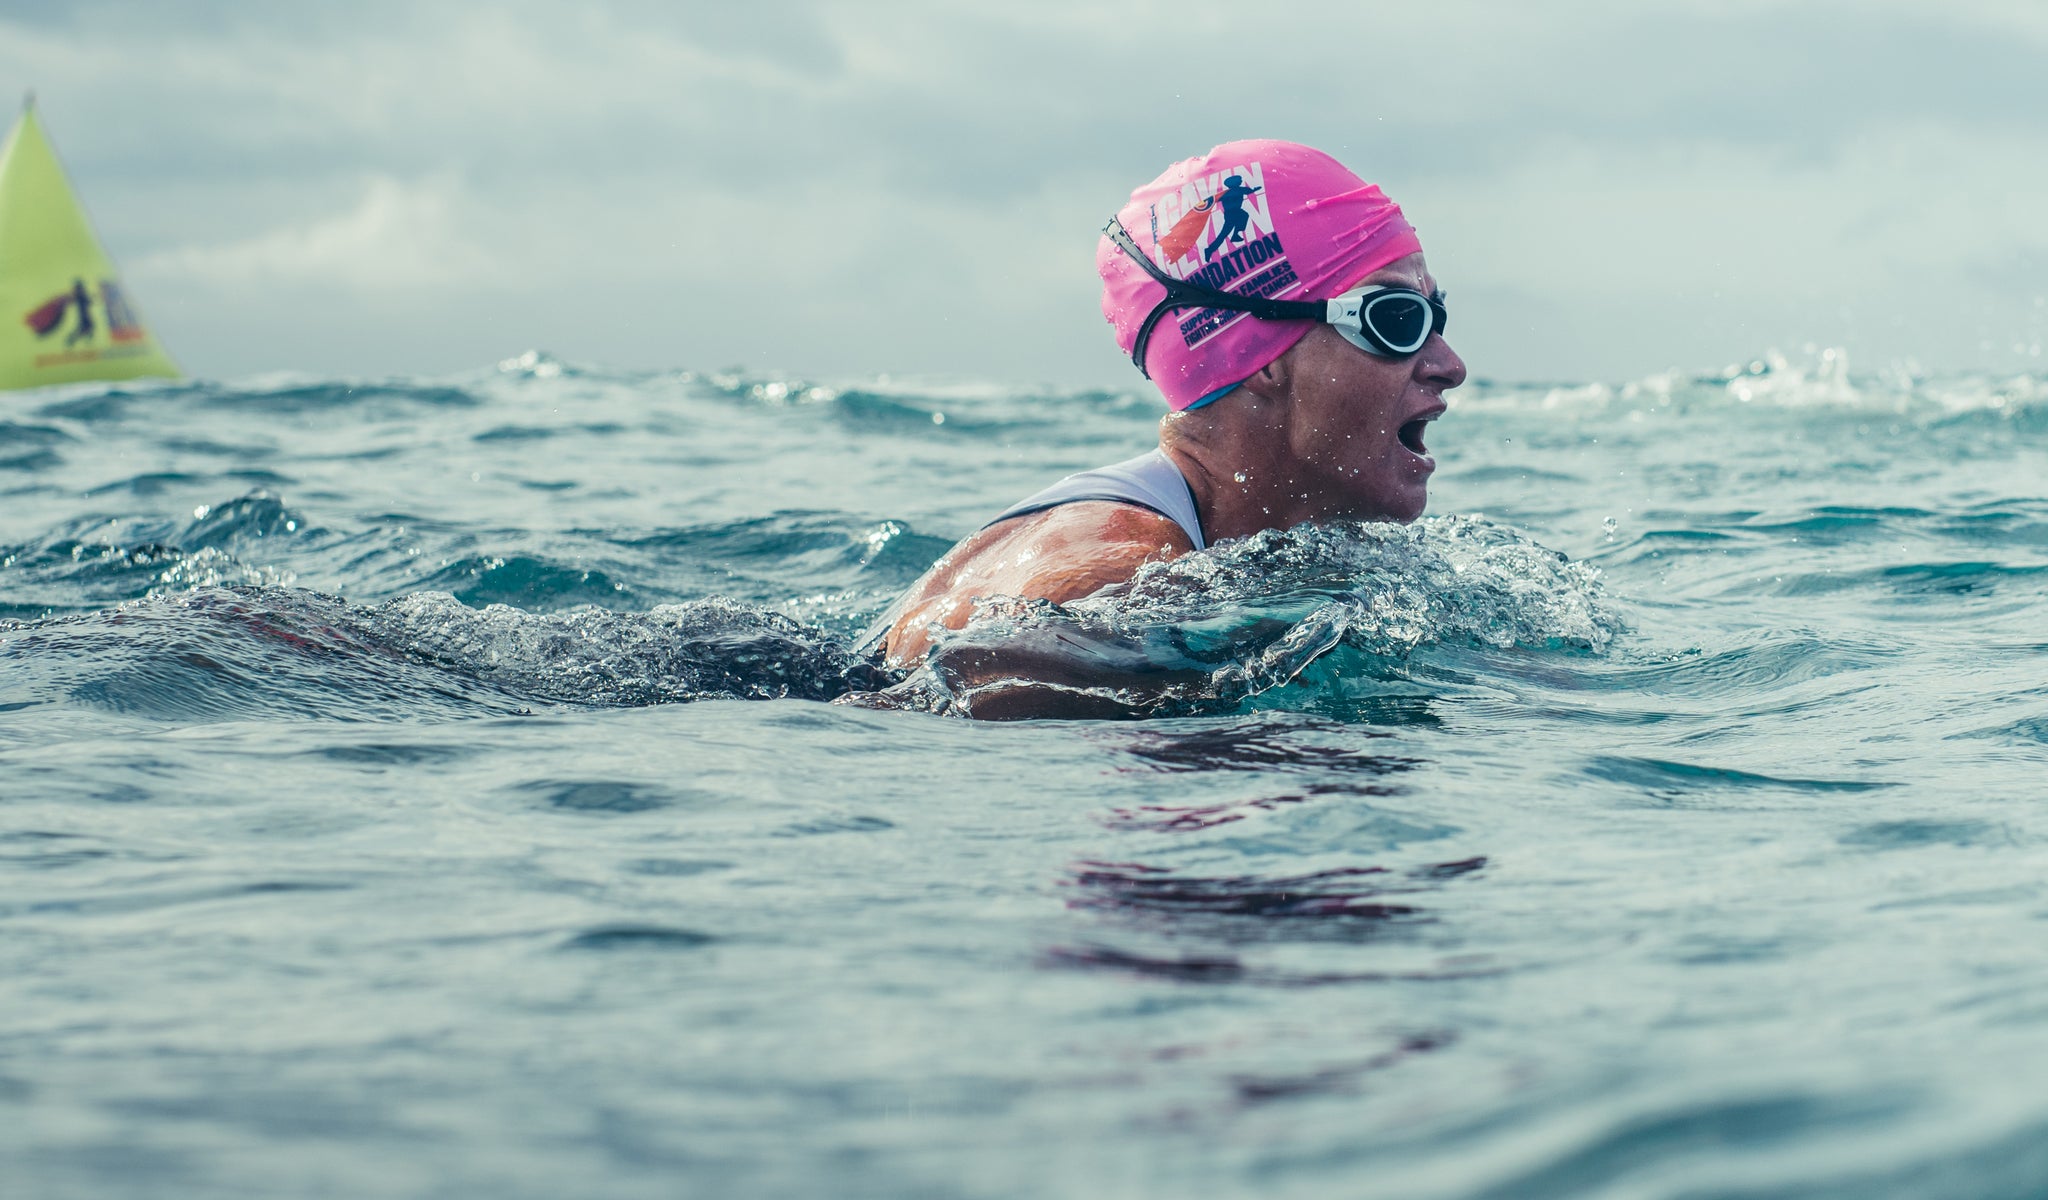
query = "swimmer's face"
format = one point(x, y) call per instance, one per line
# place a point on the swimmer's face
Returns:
point(1357, 421)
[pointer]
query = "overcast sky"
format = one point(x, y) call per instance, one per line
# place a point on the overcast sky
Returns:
point(837, 189)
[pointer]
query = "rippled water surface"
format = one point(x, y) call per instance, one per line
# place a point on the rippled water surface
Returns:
point(430, 788)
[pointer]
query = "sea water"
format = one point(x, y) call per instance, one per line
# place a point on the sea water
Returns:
point(432, 787)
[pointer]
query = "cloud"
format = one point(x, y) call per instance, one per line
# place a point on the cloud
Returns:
point(915, 185)
point(399, 236)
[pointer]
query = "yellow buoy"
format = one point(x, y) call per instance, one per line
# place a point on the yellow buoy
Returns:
point(64, 315)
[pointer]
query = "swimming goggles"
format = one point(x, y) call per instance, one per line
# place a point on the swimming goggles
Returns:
point(1391, 322)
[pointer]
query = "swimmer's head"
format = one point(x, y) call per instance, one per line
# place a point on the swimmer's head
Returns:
point(1267, 218)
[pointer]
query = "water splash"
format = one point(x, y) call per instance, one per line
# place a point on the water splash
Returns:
point(1211, 630)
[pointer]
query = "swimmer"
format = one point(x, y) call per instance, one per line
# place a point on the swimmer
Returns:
point(1301, 390)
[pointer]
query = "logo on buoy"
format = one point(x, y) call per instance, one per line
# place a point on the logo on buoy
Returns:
point(46, 318)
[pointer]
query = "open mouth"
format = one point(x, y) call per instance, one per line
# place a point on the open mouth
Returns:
point(1411, 434)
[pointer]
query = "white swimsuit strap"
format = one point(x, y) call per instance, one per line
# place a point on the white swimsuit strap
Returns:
point(1148, 481)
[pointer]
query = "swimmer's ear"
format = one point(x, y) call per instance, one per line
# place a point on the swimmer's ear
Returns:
point(1273, 380)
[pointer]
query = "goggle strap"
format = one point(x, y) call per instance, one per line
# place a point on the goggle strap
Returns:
point(1181, 294)
point(1145, 337)
point(1123, 240)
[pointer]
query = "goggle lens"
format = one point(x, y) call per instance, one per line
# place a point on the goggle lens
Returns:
point(1401, 319)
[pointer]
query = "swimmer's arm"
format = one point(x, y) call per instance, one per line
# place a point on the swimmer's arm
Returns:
point(1042, 672)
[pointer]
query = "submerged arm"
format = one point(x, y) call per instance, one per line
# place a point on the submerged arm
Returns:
point(1053, 670)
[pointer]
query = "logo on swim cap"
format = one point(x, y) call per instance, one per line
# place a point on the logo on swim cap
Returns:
point(1219, 232)
point(1220, 235)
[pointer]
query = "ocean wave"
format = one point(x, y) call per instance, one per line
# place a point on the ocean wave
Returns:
point(1810, 377)
point(705, 649)
point(1208, 632)
point(1816, 378)
point(214, 652)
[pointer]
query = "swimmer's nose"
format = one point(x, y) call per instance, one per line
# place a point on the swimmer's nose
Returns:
point(1438, 366)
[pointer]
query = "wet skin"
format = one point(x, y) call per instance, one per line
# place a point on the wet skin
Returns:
point(1325, 432)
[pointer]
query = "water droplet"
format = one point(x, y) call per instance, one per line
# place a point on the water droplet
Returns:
point(1608, 526)
point(1240, 476)
point(938, 418)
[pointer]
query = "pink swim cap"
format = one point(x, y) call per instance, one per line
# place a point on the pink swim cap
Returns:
point(1259, 218)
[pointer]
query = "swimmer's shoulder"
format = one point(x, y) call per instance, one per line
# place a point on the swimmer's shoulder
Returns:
point(1057, 554)
point(1078, 549)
